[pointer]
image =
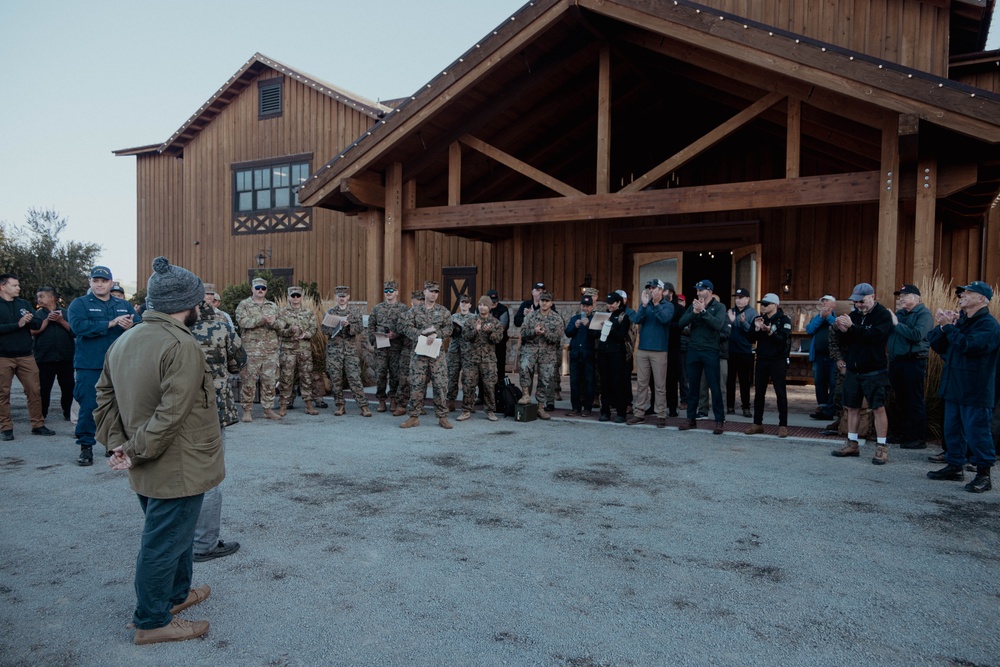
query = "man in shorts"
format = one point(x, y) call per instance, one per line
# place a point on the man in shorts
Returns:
point(863, 334)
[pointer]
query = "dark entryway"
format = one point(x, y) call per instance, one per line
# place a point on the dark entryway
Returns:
point(714, 265)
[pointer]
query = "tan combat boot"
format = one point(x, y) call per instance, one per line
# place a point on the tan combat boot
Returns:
point(271, 414)
point(399, 411)
point(310, 410)
point(410, 423)
point(451, 406)
point(365, 412)
point(393, 404)
point(542, 414)
point(465, 415)
point(381, 405)
point(282, 409)
point(444, 423)
point(524, 400)
point(341, 410)
point(247, 413)
point(491, 416)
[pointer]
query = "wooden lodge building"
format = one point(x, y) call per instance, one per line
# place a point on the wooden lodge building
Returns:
point(794, 146)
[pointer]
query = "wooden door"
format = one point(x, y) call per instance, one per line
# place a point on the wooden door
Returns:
point(746, 270)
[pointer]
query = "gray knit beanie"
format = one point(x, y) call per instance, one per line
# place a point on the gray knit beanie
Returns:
point(172, 289)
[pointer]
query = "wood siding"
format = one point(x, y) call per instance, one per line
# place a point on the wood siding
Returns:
point(908, 32)
point(189, 200)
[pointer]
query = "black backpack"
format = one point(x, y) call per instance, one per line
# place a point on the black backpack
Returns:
point(507, 396)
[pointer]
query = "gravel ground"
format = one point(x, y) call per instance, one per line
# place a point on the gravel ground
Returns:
point(549, 543)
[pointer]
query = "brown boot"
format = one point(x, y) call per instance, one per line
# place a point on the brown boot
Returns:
point(444, 423)
point(524, 400)
point(850, 449)
point(177, 630)
point(451, 406)
point(247, 413)
point(542, 414)
point(282, 409)
point(465, 415)
point(393, 404)
point(310, 410)
point(754, 429)
point(341, 410)
point(881, 455)
point(688, 425)
point(365, 412)
point(271, 414)
point(381, 405)
point(782, 431)
point(399, 411)
point(491, 416)
point(410, 423)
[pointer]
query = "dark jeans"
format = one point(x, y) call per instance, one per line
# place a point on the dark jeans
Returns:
point(615, 381)
point(675, 378)
point(85, 393)
point(163, 567)
point(581, 381)
point(825, 377)
point(501, 349)
point(740, 368)
point(698, 362)
point(908, 418)
point(772, 371)
point(48, 371)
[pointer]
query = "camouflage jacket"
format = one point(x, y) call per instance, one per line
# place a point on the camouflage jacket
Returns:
point(224, 355)
point(255, 333)
point(293, 322)
point(422, 317)
point(387, 318)
point(551, 337)
point(482, 343)
point(458, 324)
point(355, 325)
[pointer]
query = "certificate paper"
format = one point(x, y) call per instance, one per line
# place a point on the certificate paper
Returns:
point(597, 320)
point(426, 349)
point(381, 340)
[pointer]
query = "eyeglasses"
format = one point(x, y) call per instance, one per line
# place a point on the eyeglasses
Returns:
point(260, 288)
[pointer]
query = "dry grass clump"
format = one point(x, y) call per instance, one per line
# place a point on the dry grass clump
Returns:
point(935, 294)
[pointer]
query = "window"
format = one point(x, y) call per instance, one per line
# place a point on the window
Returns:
point(269, 98)
point(268, 187)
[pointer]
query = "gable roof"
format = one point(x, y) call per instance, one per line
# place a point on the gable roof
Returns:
point(688, 26)
point(236, 84)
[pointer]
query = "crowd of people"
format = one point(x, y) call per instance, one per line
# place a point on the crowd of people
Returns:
point(132, 384)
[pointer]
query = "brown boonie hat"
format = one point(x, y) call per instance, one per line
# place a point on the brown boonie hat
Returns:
point(432, 286)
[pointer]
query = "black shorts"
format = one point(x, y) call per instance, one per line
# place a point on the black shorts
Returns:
point(872, 387)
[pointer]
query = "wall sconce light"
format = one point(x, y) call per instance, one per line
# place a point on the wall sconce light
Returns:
point(786, 287)
point(263, 256)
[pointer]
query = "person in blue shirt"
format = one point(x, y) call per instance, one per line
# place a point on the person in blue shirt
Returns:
point(824, 365)
point(582, 359)
point(97, 319)
point(655, 313)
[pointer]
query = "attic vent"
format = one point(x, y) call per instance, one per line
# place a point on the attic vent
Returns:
point(269, 98)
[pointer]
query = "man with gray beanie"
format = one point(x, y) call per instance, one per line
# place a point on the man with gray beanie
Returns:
point(156, 417)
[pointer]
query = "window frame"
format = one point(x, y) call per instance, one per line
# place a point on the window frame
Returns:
point(243, 169)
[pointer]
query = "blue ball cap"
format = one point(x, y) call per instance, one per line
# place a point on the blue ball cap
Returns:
point(100, 272)
point(705, 284)
point(979, 287)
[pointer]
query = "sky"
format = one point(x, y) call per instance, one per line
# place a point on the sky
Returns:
point(81, 79)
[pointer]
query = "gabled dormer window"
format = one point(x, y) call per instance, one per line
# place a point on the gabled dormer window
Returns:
point(270, 98)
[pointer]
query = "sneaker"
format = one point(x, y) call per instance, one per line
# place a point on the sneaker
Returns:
point(491, 416)
point(782, 431)
point(731, 411)
point(688, 425)
point(635, 419)
point(220, 550)
point(719, 429)
point(587, 413)
point(913, 444)
point(604, 418)
point(937, 458)
point(177, 630)
point(574, 413)
point(819, 416)
point(41, 430)
point(754, 429)
point(465, 415)
point(747, 413)
point(620, 419)
point(980, 484)
point(195, 596)
point(881, 455)
point(851, 448)
point(701, 415)
point(949, 473)
point(86, 457)
point(7, 436)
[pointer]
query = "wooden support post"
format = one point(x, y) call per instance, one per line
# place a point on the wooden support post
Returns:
point(392, 246)
point(923, 232)
point(604, 121)
point(888, 212)
point(991, 266)
point(375, 274)
point(408, 256)
point(454, 174)
point(793, 140)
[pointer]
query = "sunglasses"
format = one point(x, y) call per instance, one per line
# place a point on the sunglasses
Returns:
point(260, 288)
point(295, 296)
point(388, 291)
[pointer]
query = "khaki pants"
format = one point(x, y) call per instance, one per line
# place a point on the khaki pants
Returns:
point(27, 373)
point(651, 364)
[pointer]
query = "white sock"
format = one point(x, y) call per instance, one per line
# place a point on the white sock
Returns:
point(852, 436)
point(881, 441)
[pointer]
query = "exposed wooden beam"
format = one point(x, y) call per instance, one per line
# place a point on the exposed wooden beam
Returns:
point(520, 166)
point(392, 248)
point(888, 211)
point(408, 242)
point(923, 232)
point(793, 138)
point(859, 187)
point(363, 192)
point(991, 268)
point(604, 121)
point(695, 149)
point(454, 174)
point(375, 274)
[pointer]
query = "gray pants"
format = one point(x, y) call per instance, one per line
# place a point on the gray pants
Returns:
point(206, 530)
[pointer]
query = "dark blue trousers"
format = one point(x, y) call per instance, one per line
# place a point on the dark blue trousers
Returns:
point(908, 419)
point(85, 393)
point(704, 362)
point(581, 381)
point(163, 568)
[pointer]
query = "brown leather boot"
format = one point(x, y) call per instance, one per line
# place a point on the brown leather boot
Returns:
point(849, 449)
point(410, 423)
point(247, 413)
point(271, 414)
point(365, 412)
point(310, 410)
point(881, 455)
point(341, 410)
point(754, 429)
point(381, 405)
point(688, 425)
point(782, 431)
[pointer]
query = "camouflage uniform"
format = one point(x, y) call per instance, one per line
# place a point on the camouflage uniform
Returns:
point(421, 367)
point(541, 352)
point(480, 359)
point(405, 359)
point(343, 359)
point(224, 355)
point(296, 352)
point(260, 340)
point(458, 351)
point(385, 318)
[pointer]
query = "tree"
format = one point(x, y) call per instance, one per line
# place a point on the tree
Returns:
point(36, 255)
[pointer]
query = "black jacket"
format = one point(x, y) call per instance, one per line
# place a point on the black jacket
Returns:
point(863, 345)
point(15, 341)
point(772, 342)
